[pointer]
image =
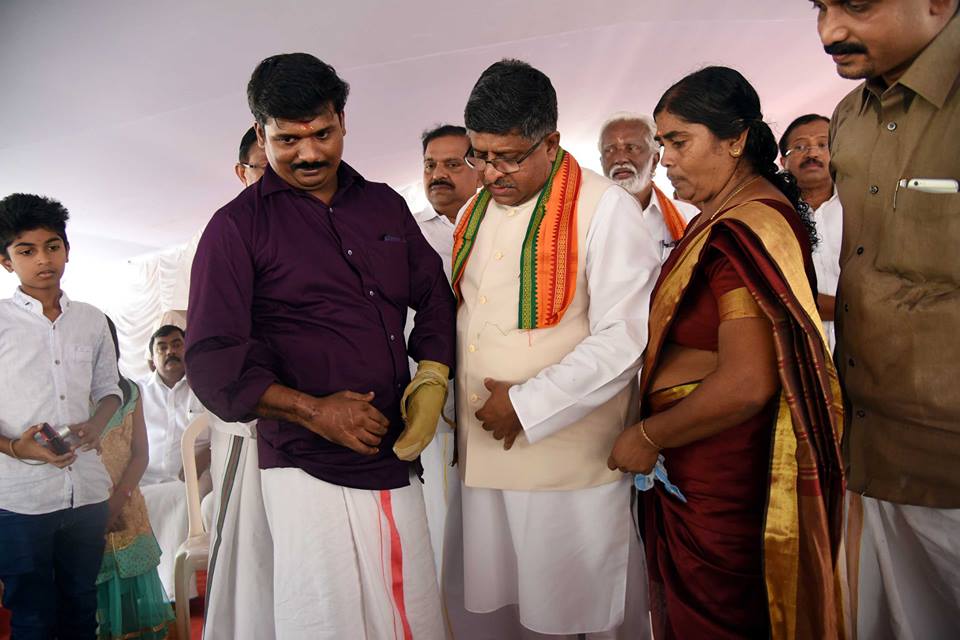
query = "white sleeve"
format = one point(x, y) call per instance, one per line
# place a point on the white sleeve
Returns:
point(106, 380)
point(622, 265)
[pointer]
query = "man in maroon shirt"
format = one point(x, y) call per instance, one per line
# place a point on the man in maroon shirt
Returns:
point(299, 293)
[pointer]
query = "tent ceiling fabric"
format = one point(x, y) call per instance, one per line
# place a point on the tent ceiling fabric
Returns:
point(131, 112)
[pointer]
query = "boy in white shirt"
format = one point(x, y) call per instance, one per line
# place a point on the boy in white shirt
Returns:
point(56, 362)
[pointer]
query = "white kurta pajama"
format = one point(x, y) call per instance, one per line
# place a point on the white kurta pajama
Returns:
point(440, 479)
point(167, 412)
point(548, 536)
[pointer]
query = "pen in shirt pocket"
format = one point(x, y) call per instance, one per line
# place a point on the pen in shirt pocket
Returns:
point(927, 185)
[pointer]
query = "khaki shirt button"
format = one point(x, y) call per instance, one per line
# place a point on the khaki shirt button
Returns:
point(891, 126)
point(861, 413)
point(859, 251)
point(874, 189)
point(850, 362)
point(846, 307)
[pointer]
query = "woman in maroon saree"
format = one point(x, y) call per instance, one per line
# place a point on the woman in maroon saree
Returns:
point(738, 390)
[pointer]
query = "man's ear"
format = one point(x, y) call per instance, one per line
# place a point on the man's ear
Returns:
point(261, 136)
point(238, 169)
point(552, 144)
point(342, 116)
point(7, 263)
point(783, 162)
point(150, 364)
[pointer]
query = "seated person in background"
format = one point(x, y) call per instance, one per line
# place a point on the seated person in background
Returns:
point(169, 406)
point(130, 598)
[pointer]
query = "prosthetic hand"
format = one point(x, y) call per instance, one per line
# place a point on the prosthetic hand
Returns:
point(420, 407)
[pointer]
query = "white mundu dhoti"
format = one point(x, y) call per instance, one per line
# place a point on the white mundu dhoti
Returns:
point(350, 563)
point(903, 565)
point(239, 598)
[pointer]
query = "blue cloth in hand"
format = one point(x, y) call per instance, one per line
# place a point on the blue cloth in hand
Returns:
point(644, 482)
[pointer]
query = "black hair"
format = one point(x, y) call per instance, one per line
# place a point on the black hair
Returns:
point(723, 101)
point(246, 143)
point(294, 86)
point(441, 131)
point(20, 212)
point(784, 143)
point(163, 332)
point(512, 97)
point(126, 386)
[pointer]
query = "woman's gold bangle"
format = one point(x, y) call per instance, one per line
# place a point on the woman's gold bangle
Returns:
point(643, 432)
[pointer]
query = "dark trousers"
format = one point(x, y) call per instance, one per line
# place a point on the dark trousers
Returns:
point(49, 565)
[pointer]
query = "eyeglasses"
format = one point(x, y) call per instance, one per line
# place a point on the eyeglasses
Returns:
point(503, 165)
point(804, 148)
point(261, 167)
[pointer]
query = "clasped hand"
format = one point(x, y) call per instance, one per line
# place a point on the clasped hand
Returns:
point(632, 453)
point(347, 418)
point(497, 414)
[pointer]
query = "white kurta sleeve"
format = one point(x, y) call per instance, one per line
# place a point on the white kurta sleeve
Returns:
point(622, 265)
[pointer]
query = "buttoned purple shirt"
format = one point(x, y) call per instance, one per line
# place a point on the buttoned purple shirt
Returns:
point(288, 289)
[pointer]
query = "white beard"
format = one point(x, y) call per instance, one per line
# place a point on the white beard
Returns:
point(634, 184)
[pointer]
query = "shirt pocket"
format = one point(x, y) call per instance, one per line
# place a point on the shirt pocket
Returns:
point(388, 261)
point(919, 237)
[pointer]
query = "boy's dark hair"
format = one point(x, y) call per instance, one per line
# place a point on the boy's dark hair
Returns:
point(294, 86)
point(163, 332)
point(246, 142)
point(441, 131)
point(784, 143)
point(21, 212)
point(512, 97)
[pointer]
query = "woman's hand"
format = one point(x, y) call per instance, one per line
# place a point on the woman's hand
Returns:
point(632, 453)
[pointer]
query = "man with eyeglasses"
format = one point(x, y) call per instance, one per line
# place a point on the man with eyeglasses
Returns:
point(253, 159)
point(805, 153)
point(448, 182)
point(553, 269)
point(629, 156)
point(895, 159)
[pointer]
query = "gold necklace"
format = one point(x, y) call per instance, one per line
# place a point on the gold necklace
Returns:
point(733, 193)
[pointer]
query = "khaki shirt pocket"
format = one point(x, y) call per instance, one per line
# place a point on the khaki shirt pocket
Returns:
point(921, 237)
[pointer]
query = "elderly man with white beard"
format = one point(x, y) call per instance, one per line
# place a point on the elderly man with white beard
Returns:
point(629, 155)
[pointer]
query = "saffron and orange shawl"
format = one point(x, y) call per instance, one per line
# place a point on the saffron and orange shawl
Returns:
point(548, 259)
point(802, 523)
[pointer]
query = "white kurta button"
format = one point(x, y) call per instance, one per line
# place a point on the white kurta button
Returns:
point(498, 255)
point(483, 299)
point(472, 348)
point(474, 398)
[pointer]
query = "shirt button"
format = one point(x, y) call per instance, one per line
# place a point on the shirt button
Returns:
point(891, 126)
point(56, 362)
point(474, 398)
point(846, 307)
point(371, 293)
point(874, 189)
point(850, 362)
point(63, 397)
point(498, 255)
point(393, 337)
point(483, 299)
point(349, 252)
point(859, 251)
point(861, 413)
point(472, 348)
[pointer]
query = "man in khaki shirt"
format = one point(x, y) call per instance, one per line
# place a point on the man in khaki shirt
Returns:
point(898, 308)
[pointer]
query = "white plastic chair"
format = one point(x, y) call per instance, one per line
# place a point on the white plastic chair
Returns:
point(194, 553)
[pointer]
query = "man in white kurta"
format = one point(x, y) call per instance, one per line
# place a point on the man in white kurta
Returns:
point(805, 153)
point(629, 155)
point(548, 536)
point(239, 597)
point(169, 405)
point(448, 183)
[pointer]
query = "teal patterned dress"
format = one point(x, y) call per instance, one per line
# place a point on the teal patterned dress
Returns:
point(131, 602)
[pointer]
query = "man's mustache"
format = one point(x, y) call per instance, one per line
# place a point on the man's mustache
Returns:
point(843, 48)
point(440, 182)
point(170, 359)
point(809, 161)
point(623, 166)
point(307, 166)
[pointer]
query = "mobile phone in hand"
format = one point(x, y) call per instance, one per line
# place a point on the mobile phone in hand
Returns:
point(57, 439)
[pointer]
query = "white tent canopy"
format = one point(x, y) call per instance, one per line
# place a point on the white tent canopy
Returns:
point(130, 113)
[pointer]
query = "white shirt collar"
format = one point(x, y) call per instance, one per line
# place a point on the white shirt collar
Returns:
point(833, 198)
point(156, 380)
point(429, 213)
point(34, 306)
